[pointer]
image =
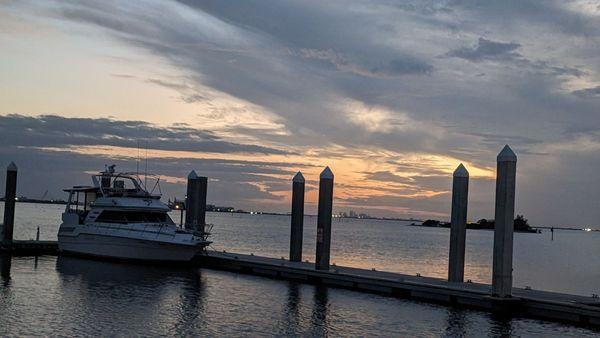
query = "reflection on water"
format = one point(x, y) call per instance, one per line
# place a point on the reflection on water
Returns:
point(5, 263)
point(320, 311)
point(501, 327)
point(77, 297)
point(136, 291)
point(292, 309)
point(456, 323)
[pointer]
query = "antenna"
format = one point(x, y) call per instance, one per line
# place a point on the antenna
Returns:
point(156, 185)
point(146, 169)
point(137, 161)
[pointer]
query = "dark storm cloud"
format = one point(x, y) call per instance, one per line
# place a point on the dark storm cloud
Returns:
point(58, 131)
point(487, 49)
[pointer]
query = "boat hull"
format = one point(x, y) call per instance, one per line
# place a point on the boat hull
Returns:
point(124, 248)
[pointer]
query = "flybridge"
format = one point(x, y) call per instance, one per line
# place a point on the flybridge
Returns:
point(113, 190)
point(111, 184)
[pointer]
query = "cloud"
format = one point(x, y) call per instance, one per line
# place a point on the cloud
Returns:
point(386, 176)
point(588, 93)
point(362, 65)
point(58, 131)
point(124, 76)
point(487, 50)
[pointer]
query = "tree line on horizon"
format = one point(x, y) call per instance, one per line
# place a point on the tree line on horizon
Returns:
point(521, 224)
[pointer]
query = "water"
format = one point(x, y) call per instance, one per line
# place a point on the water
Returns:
point(75, 297)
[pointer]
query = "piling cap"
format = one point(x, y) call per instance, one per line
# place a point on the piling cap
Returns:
point(461, 171)
point(192, 175)
point(298, 177)
point(12, 167)
point(327, 174)
point(507, 155)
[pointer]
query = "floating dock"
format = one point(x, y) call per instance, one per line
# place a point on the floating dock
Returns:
point(34, 248)
point(524, 302)
point(553, 306)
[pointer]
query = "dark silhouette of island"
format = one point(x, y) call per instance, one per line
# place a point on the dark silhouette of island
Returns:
point(521, 224)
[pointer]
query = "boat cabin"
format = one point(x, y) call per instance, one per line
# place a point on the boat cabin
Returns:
point(117, 198)
point(80, 200)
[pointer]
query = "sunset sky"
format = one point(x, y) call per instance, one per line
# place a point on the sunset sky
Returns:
point(392, 95)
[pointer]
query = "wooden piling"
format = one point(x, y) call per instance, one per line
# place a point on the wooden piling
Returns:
point(324, 220)
point(195, 215)
point(458, 228)
point(6, 236)
point(504, 223)
point(297, 219)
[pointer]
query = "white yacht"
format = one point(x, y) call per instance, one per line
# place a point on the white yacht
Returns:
point(118, 218)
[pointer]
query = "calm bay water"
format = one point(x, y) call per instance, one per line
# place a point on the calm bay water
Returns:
point(77, 297)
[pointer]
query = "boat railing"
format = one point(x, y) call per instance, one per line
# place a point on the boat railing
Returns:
point(206, 233)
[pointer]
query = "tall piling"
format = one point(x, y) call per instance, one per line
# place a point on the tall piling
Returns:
point(504, 223)
point(297, 226)
point(324, 220)
point(195, 204)
point(458, 228)
point(6, 235)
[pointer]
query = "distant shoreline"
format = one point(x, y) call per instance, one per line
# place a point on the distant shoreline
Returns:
point(470, 226)
point(475, 226)
point(34, 201)
point(533, 230)
point(227, 210)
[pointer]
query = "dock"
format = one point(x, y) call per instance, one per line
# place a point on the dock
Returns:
point(528, 303)
point(34, 248)
point(523, 303)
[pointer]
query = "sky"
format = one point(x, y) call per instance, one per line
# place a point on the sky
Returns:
point(392, 95)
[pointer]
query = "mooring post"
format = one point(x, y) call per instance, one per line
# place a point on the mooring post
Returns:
point(458, 228)
point(6, 235)
point(504, 223)
point(297, 226)
point(324, 220)
point(195, 214)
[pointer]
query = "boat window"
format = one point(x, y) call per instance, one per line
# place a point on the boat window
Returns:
point(90, 197)
point(114, 216)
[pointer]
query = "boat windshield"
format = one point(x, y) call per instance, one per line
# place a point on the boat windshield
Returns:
point(120, 185)
point(124, 217)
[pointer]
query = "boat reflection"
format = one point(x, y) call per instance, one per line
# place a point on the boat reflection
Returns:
point(131, 290)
